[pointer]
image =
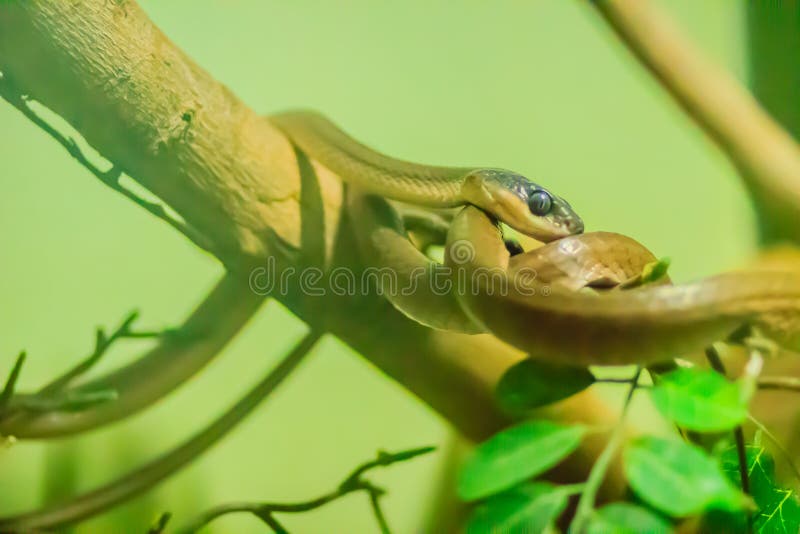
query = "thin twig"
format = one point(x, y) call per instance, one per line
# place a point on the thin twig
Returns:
point(111, 177)
point(101, 499)
point(377, 511)
point(56, 397)
point(586, 503)
point(11, 382)
point(789, 383)
point(738, 433)
point(352, 483)
point(102, 344)
point(179, 355)
point(273, 523)
point(612, 381)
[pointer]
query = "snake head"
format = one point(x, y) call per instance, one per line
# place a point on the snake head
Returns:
point(523, 205)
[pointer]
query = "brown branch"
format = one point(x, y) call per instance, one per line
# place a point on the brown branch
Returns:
point(766, 155)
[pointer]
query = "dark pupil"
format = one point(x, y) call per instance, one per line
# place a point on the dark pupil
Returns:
point(540, 203)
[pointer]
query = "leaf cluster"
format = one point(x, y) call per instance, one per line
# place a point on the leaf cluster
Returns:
point(671, 479)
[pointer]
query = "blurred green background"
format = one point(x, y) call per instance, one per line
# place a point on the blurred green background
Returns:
point(540, 86)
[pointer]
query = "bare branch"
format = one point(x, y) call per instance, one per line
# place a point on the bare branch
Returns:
point(352, 483)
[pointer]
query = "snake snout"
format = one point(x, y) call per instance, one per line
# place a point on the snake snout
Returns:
point(574, 226)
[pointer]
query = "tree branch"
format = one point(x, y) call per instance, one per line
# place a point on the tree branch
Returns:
point(148, 475)
point(177, 357)
point(766, 155)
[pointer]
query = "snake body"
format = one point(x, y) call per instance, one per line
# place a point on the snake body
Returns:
point(424, 185)
point(543, 315)
point(641, 325)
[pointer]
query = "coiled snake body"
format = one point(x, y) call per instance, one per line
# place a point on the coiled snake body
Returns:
point(543, 315)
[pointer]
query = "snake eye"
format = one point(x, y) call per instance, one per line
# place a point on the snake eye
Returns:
point(540, 203)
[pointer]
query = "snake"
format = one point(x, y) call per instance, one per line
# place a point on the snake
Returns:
point(508, 196)
point(541, 301)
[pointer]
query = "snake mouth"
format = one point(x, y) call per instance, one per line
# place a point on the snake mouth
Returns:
point(574, 225)
point(544, 229)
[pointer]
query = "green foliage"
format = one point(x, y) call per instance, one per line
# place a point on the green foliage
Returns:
point(678, 478)
point(626, 518)
point(516, 454)
point(523, 509)
point(702, 400)
point(533, 383)
point(778, 507)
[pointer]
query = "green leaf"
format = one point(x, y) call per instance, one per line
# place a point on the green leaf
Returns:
point(678, 478)
point(701, 400)
point(516, 454)
point(533, 383)
point(521, 510)
point(654, 271)
point(626, 518)
point(778, 507)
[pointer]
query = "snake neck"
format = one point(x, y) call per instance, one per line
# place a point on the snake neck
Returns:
point(369, 170)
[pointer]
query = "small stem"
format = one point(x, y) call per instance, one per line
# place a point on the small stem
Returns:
point(586, 503)
point(102, 344)
point(612, 381)
point(738, 433)
point(573, 489)
point(178, 355)
point(352, 483)
point(11, 382)
point(274, 524)
point(374, 499)
point(55, 396)
point(789, 383)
